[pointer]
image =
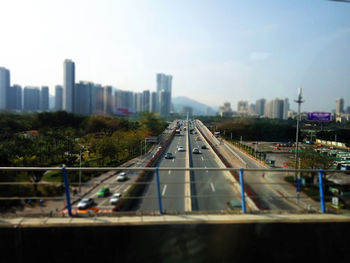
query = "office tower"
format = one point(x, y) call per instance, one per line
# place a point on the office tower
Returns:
point(339, 108)
point(146, 100)
point(260, 106)
point(82, 94)
point(4, 87)
point(164, 90)
point(68, 85)
point(274, 109)
point(242, 107)
point(58, 97)
point(31, 98)
point(108, 100)
point(153, 102)
point(285, 108)
point(44, 98)
point(14, 98)
point(138, 99)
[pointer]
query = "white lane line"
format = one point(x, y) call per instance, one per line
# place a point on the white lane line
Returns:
point(212, 187)
point(173, 159)
point(202, 158)
point(169, 172)
point(164, 189)
point(206, 170)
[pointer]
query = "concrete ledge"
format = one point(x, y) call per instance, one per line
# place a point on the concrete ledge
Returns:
point(175, 219)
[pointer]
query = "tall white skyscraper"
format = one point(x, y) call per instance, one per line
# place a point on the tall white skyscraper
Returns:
point(4, 87)
point(68, 85)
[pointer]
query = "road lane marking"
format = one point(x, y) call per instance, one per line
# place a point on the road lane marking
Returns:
point(206, 170)
point(173, 159)
point(202, 158)
point(212, 187)
point(164, 189)
point(169, 172)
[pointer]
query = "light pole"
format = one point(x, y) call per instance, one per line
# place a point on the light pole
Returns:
point(299, 101)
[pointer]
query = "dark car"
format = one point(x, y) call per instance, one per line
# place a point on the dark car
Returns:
point(204, 147)
point(168, 156)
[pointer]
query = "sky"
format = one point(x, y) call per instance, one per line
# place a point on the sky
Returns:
point(216, 51)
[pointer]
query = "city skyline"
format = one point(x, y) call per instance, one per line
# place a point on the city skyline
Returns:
point(224, 50)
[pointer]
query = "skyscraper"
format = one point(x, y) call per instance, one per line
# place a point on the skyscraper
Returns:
point(108, 100)
point(260, 107)
point(285, 108)
point(44, 98)
point(274, 109)
point(146, 100)
point(164, 90)
point(58, 97)
point(4, 87)
point(339, 107)
point(82, 104)
point(153, 102)
point(31, 98)
point(68, 85)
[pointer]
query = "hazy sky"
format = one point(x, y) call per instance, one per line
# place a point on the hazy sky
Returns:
point(216, 50)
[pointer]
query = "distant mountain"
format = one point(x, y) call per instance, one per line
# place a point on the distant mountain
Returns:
point(197, 107)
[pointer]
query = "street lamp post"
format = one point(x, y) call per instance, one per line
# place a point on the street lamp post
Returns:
point(299, 101)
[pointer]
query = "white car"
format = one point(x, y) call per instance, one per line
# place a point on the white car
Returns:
point(85, 203)
point(121, 176)
point(115, 198)
point(181, 149)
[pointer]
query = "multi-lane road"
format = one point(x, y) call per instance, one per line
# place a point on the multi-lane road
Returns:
point(195, 191)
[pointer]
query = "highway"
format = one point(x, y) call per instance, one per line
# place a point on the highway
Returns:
point(210, 190)
point(172, 185)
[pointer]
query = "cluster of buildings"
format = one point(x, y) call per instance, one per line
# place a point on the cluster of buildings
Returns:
point(279, 109)
point(274, 109)
point(85, 97)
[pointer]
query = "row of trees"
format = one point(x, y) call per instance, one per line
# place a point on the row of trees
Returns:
point(57, 138)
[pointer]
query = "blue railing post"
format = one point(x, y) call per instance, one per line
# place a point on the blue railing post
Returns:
point(241, 180)
point(320, 182)
point(66, 187)
point(159, 193)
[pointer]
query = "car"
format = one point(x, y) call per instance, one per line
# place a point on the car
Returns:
point(103, 192)
point(85, 203)
point(195, 150)
point(168, 156)
point(121, 176)
point(204, 147)
point(181, 149)
point(115, 198)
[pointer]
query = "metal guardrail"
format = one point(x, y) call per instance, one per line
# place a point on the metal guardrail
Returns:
point(139, 183)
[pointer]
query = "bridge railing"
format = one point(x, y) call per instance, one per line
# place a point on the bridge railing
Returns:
point(56, 191)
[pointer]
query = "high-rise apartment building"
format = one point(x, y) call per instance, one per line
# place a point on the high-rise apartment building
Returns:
point(260, 107)
point(4, 87)
point(82, 94)
point(164, 90)
point(31, 98)
point(285, 108)
point(242, 108)
point(339, 107)
point(274, 109)
point(44, 98)
point(108, 100)
point(14, 98)
point(58, 97)
point(68, 85)
point(153, 102)
point(146, 100)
